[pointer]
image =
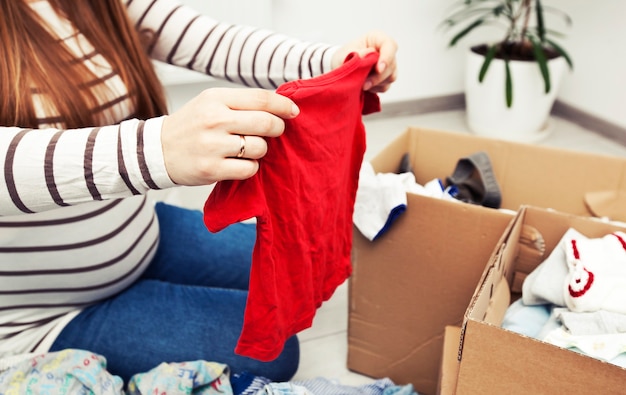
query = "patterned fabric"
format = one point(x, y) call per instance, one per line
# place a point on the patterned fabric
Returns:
point(385, 386)
point(79, 372)
point(247, 384)
point(68, 372)
point(183, 378)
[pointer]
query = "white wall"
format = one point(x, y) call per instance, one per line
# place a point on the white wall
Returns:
point(427, 67)
point(596, 43)
point(182, 84)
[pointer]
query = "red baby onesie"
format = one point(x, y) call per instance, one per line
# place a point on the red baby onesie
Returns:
point(303, 198)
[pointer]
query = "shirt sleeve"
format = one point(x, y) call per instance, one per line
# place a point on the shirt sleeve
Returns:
point(50, 168)
point(233, 201)
point(240, 54)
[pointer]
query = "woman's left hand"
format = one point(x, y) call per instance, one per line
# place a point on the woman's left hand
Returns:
point(385, 72)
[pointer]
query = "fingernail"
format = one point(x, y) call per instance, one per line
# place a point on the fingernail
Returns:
point(294, 110)
point(367, 85)
point(381, 66)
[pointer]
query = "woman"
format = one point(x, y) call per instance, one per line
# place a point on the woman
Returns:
point(86, 261)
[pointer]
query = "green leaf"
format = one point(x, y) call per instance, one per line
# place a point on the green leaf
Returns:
point(464, 32)
point(508, 84)
point(457, 17)
point(491, 53)
point(561, 52)
point(542, 62)
point(541, 30)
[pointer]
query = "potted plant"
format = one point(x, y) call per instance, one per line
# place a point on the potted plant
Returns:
point(510, 84)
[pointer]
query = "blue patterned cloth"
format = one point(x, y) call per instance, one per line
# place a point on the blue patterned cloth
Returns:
point(68, 372)
point(323, 386)
point(247, 384)
point(79, 372)
point(183, 378)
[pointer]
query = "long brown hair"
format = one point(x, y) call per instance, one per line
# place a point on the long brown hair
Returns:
point(32, 56)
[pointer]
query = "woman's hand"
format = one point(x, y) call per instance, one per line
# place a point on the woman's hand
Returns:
point(202, 143)
point(385, 72)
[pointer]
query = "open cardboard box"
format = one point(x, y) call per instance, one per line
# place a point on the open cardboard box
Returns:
point(494, 360)
point(418, 277)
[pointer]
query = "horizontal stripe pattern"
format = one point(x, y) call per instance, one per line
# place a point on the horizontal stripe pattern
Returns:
point(241, 54)
point(49, 168)
point(56, 262)
point(76, 226)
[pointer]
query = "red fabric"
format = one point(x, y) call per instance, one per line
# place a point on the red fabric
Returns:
point(303, 198)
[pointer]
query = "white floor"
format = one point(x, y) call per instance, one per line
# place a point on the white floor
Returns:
point(324, 345)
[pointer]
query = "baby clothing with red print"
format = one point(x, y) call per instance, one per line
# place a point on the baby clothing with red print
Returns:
point(597, 273)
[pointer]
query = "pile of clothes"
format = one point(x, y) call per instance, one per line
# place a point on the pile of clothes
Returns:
point(576, 297)
point(80, 372)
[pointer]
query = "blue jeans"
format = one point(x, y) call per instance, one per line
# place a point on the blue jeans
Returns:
point(187, 306)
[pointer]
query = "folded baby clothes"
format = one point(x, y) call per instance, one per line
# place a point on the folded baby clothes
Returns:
point(545, 283)
point(596, 279)
point(599, 322)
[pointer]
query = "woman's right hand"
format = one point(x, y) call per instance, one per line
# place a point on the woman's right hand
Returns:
point(202, 139)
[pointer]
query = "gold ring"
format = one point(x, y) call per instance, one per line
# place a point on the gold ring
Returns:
point(242, 146)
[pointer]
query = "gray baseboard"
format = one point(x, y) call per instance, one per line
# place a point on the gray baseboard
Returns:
point(421, 106)
point(590, 122)
point(457, 102)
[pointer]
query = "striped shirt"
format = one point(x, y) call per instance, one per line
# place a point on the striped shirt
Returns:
point(75, 224)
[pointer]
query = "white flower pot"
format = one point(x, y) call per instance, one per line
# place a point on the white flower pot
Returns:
point(528, 118)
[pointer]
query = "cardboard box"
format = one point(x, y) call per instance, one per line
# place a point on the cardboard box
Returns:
point(449, 369)
point(418, 278)
point(494, 360)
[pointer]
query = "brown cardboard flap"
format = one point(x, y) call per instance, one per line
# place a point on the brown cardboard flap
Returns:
point(497, 361)
point(449, 362)
point(498, 303)
point(496, 270)
point(609, 204)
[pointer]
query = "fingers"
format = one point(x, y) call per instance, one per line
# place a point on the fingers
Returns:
point(386, 71)
point(387, 48)
point(379, 83)
point(247, 147)
point(238, 169)
point(257, 100)
point(221, 134)
point(243, 163)
point(250, 112)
